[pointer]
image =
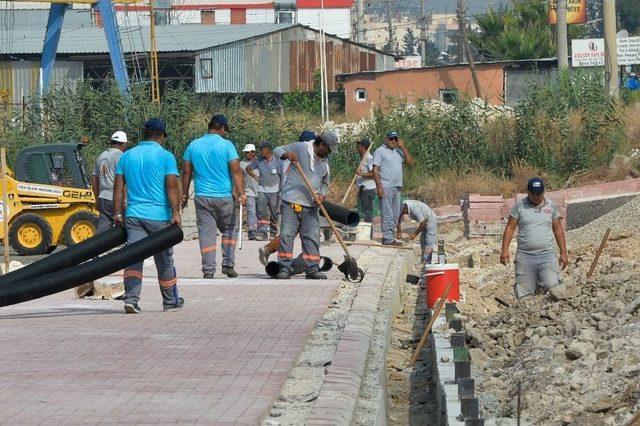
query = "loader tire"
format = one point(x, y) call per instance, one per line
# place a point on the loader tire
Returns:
point(30, 235)
point(79, 227)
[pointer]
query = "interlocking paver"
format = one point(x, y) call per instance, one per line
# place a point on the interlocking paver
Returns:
point(222, 359)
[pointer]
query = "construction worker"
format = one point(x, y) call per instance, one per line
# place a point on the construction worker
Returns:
point(427, 228)
point(150, 175)
point(214, 164)
point(364, 182)
point(285, 165)
point(299, 207)
point(268, 190)
point(104, 173)
point(539, 223)
point(387, 174)
point(250, 190)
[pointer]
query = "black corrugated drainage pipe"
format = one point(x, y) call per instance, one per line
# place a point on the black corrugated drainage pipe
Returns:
point(298, 265)
point(34, 288)
point(341, 215)
point(71, 256)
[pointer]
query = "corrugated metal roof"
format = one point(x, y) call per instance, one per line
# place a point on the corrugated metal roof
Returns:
point(170, 38)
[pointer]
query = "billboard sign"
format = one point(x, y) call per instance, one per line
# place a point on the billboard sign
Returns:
point(576, 12)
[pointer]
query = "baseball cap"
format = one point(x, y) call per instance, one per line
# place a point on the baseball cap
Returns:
point(265, 144)
point(364, 142)
point(535, 185)
point(392, 134)
point(156, 124)
point(119, 137)
point(331, 139)
point(306, 136)
point(220, 119)
point(249, 147)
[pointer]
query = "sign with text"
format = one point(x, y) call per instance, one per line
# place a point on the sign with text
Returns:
point(576, 12)
point(590, 52)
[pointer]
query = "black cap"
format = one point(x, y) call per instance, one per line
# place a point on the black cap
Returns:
point(535, 185)
point(155, 124)
point(221, 120)
point(265, 144)
point(307, 136)
point(364, 142)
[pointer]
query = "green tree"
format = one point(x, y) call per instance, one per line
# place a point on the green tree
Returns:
point(629, 15)
point(432, 53)
point(409, 43)
point(518, 32)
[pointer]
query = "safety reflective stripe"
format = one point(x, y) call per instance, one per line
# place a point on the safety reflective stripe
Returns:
point(263, 222)
point(228, 241)
point(285, 255)
point(128, 273)
point(168, 283)
point(310, 257)
point(208, 249)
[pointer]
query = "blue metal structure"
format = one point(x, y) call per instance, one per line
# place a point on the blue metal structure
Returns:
point(52, 38)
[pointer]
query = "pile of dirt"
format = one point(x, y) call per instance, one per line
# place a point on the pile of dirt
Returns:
point(575, 353)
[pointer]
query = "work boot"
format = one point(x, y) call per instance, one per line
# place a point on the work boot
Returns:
point(208, 276)
point(263, 255)
point(132, 308)
point(174, 307)
point(229, 271)
point(283, 275)
point(252, 237)
point(315, 275)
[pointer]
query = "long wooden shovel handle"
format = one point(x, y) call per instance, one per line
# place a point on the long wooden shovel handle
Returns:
point(427, 330)
point(353, 181)
point(324, 211)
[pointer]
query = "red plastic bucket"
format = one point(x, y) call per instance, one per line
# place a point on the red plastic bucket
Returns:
point(437, 278)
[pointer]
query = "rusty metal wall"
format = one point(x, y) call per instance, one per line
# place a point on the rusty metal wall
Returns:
point(19, 79)
point(228, 69)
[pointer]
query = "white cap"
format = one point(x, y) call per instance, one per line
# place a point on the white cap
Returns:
point(119, 136)
point(249, 147)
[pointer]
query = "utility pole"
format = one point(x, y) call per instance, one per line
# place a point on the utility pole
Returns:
point(390, 39)
point(462, 25)
point(561, 34)
point(423, 35)
point(155, 78)
point(610, 47)
point(359, 21)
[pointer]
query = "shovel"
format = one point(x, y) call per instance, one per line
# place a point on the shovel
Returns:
point(240, 229)
point(349, 267)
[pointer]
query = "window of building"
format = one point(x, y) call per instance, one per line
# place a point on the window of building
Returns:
point(206, 68)
point(208, 17)
point(361, 95)
point(448, 96)
point(284, 17)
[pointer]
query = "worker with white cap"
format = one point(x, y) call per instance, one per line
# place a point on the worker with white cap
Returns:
point(250, 189)
point(104, 174)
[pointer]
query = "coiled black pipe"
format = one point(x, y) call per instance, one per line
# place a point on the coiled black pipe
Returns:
point(34, 288)
point(299, 266)
point(71, 256)
point(341, 215)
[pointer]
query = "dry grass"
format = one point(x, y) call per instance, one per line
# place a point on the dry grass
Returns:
point(632, 124)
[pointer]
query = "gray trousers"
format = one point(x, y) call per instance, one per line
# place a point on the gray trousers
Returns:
point(105, 220)
point(268, 212)
point(307, 224)
point(390, 206)
point(252, 215)
point(428, 240)
point(535, 270)
point(213, 214)
point(138, 229)
point(366, 198)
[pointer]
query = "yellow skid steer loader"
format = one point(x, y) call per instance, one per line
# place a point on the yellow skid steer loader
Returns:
point(50, 200)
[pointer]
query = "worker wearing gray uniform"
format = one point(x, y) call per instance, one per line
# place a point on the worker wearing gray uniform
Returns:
point(539, 226)
point(250, 190)
point(299, 209)
point(427, 227)
point(104, 173)
point(268, 190)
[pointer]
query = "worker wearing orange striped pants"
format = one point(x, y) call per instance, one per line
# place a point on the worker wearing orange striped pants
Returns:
point(305, 221)
point(213, 214)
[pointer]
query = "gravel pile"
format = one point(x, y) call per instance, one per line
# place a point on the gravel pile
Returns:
point(575, 351)
point(623, 221)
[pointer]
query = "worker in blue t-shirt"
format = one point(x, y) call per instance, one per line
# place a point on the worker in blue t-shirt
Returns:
point(214, 164)
point(150, 175)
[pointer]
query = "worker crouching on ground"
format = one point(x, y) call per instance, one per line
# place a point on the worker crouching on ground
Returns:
point(539, 223)
point(104, 174)
point(299, 210)
point(364, 182)
point(214, 164)
point(388, 161)
point(427, 228)
point(150, 175)
point(268, 178)
point(250, 190)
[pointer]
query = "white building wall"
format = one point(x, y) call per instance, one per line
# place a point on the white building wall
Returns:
point(336, 21)
point(260, 16)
